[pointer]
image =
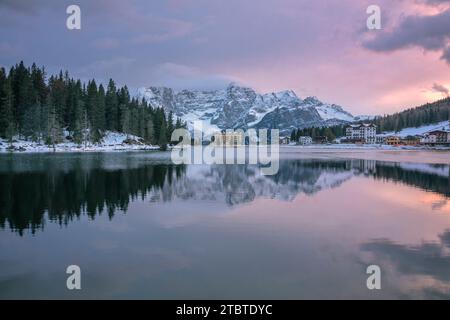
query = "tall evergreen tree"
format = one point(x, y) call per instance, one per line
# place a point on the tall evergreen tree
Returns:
point(162, 142)
point(111, 107)
point(7, 122)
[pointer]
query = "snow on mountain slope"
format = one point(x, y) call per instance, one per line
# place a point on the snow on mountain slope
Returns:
point(419, 130)
point(329, 111)
point(241, 107)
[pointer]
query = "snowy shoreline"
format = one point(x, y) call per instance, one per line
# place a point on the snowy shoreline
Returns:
point(363, 147)
point(111, 142)
point(22, 146)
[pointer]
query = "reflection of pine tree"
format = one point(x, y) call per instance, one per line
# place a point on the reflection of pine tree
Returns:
point(24, 201)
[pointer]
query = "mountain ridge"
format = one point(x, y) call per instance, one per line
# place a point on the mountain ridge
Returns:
point(242, 107)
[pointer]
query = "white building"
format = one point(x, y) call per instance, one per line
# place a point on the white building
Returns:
point(285, 140)
point(305, 140)
point(436, 137)
point(365, 132)
point(380, 139)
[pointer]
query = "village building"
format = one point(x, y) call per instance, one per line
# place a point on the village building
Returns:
point(229, 139)
point(393, 140)
point(380, 139)
point(365, 132)
point(305, 140)
point(285, 140)
point(436, 137)
point(411, 140)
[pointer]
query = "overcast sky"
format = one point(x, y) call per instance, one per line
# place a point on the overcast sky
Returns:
point(319, 47)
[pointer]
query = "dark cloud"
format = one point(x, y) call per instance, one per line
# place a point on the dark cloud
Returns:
point(441, 89)
point(22, 6)
point(436, 2)
point(428, 32)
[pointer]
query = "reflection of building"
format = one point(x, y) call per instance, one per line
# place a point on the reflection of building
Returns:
point(393, 140)
point(436, 137)
point(229, 139)
point(305, 140)
point(365, 132)
point(363, 166)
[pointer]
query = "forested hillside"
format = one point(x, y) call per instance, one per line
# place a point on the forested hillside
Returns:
point(429, 113)
point(415, 117)
point(49, 110)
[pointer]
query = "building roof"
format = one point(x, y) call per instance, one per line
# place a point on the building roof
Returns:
point(438, 131)
point(359, 125)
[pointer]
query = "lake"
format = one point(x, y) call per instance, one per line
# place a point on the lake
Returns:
point(141, 227)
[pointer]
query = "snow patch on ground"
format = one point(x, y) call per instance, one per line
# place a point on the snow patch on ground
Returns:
point(113, 141)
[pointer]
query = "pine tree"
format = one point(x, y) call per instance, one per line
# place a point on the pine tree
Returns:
point(32, 125)
point(3, 120)
point(150, 131)
point(293, 135)
point(7, 123)
point(163, 137)
point(54, 130)
point(170, 126)
point(80, 124)
point(111, 107)
point(98, 115)
point(125, 121)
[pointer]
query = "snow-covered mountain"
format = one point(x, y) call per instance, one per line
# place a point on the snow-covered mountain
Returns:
point(242, 107)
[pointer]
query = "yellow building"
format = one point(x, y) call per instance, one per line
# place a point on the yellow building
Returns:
point(393, 141)
point(229, 139)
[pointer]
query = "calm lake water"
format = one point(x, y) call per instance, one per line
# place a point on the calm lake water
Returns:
point(140, 227)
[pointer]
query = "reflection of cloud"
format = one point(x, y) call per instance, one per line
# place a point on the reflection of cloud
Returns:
point(438, 205)
point(429, 259)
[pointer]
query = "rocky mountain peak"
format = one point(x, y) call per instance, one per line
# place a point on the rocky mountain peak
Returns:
point(237, 106)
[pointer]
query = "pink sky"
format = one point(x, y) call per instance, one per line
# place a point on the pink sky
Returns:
point(319, 48)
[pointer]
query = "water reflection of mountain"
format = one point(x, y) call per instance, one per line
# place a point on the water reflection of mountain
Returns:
point(66, 187)
point(238, 184)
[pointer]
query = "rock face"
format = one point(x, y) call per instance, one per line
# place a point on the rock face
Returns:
point(242, 107)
